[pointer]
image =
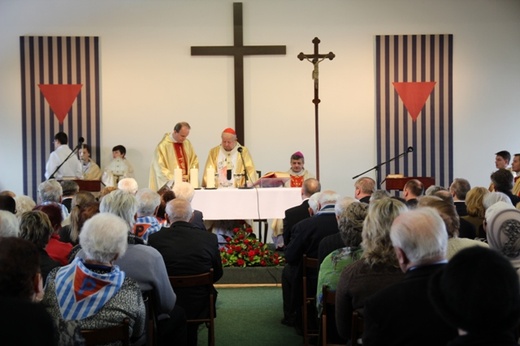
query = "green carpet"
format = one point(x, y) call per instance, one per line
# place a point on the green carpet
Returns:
point(250, 316)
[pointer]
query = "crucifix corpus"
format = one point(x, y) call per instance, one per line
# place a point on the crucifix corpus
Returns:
point(315, 59)
point(238, 50)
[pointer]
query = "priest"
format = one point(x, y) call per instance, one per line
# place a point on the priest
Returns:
point(226, 161)
point(297, 171)
point(174, 151)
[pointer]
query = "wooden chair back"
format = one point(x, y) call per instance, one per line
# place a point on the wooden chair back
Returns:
point(151, 318)
point(357, 327)
point(327, 317)
point(308, 301)
point(103, 336)
point(205, 279)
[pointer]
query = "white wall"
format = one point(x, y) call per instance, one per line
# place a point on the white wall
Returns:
point(150, 81)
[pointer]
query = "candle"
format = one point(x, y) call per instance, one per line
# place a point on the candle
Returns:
point(194, 177)
point(177, 175)
point(210, 177)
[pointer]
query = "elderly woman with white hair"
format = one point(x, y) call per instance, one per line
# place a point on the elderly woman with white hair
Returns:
point(122, 204)
point(145, 265)
point(93, 291)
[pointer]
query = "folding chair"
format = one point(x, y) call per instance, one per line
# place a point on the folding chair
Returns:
point(205, 279)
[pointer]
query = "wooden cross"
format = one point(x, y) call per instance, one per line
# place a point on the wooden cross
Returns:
point(238, 50)
point(316, 58)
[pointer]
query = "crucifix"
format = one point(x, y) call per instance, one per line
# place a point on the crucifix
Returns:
point(238, 50)
point(315, 59)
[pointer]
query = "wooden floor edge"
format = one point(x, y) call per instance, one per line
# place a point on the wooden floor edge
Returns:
point(245, 285)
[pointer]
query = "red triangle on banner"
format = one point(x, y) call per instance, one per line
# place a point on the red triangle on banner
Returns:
point(414, 95)
point(60, 97)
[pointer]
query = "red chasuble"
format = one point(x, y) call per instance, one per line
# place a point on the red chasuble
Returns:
point(297, 181)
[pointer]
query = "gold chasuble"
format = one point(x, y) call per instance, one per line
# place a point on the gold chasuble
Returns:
point(229, 168)
point(169, 155)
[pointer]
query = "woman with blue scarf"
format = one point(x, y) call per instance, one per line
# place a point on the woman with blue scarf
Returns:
point(94, 291)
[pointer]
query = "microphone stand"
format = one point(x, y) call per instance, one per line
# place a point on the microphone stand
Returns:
point(376, 167)
point(245, 169)
point(66, 159)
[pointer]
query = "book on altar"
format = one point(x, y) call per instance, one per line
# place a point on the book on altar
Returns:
point(273, 179)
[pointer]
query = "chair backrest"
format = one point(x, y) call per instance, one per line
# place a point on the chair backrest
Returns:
point(308, 307)
point(357, 327)
point(102, 336)
point(329, 334)
point(151, 317)
point(309, 263)
point(192, 280)
point(205, 279)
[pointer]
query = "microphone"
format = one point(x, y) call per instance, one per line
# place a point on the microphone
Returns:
point(80, 143)
point(240, 149)
point(410, 149)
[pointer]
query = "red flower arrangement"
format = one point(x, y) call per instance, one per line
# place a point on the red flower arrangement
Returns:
point(244, 250)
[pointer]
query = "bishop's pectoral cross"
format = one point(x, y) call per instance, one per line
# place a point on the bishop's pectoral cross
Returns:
point(315, 59)
point(238, 50)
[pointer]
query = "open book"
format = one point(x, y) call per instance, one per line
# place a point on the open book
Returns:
point(273, 179)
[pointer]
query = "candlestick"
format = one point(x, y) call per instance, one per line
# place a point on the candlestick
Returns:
point(210, 177)
point(177, 175)
point(194, 177)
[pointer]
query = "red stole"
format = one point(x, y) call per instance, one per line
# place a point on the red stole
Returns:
point(181, 157)
point(296, 181)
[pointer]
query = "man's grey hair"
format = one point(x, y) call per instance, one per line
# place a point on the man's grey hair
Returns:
point(128, 185)
point(342, 205)
point(433, 189)
point(460, 187)
point(179, 209)
point(122, 204)
point(147, 202)
point(421, 234)
point(183, 190)
point(379, 194)
point(50, 191)
point(9, 224)
point(69, 187)
point(103, 237)
point(327, 197)
point(313, 202)
point(495, 196)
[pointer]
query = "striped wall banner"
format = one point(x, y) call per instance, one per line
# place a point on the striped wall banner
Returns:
point(53, 71)
point(414, 106)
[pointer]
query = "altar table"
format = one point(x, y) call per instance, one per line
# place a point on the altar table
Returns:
point(242, 204)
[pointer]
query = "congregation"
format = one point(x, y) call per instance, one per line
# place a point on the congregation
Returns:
point(425, 259)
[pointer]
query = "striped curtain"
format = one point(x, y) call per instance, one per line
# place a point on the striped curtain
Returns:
point(61, 63)
point(414, 107)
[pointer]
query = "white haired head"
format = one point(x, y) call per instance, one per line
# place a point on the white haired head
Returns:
point(9, 224)
point(421, 234)
point(104, 237)
point(183, 190)
point(128, 185)
point(120, 203)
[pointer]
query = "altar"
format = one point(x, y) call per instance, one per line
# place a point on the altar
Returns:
point(246, 204)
